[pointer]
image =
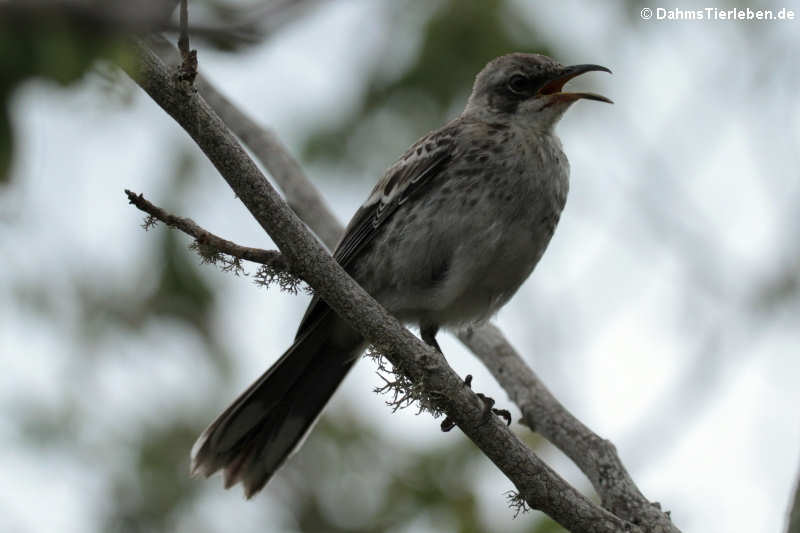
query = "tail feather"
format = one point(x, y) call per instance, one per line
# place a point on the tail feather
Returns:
point(253, 437)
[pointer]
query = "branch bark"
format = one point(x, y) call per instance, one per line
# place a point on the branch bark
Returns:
point(793, 523)
point(271, 258)
point(543, 413)
point(538, 484)
point(299, 192)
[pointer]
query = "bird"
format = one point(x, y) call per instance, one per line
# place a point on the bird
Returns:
point(444, 239)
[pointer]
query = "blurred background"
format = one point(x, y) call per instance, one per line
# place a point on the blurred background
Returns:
point(665, 314)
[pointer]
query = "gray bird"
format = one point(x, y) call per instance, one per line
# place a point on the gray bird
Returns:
point(446, 237)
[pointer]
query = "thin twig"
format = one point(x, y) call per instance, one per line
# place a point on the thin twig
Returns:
point(188, 70)
point(183, 39)
point(272, 258)
point(274, 270)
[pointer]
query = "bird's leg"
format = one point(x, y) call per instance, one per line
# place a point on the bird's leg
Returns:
point(428, 333)
point(489, 408)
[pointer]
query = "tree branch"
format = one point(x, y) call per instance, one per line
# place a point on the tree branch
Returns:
point(188, 70)
point(271, 258)
point(538, 484)
point(542, 412)
point(183, 38)
point(300, 193)
point(793, 522)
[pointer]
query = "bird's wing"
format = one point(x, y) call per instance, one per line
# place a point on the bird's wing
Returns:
point(405, 179)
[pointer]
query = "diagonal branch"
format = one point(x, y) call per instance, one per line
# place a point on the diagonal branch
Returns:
point(301, 195)
point(537, 483)
point(542, 412)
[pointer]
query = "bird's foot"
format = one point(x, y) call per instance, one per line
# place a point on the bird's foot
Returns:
point(488, 409)
point(488, 402)
point(447, 424)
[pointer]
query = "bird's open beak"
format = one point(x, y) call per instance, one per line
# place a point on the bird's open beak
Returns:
point(554, 86)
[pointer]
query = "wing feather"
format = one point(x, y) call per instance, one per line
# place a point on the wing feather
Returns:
point(403, 180)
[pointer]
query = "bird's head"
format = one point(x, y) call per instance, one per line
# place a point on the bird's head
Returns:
point(527, 87)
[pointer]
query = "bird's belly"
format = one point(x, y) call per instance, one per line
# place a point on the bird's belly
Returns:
point(474, 278)
point(495, 278)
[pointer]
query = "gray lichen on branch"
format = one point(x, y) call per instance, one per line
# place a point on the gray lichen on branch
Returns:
point(274, 268)
point(517, 503)
point(403, 391)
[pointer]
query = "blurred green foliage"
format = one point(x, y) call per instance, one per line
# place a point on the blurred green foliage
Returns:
point(457, 41)
point(53, 49)
point(381, 486)
point(61, 43)
point(159, 490)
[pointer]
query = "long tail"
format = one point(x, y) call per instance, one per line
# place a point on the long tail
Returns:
point(261, 429)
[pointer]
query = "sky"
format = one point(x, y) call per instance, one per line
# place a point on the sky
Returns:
point(640, 317)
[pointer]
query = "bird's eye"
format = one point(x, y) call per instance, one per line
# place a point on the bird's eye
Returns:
point(519, 84)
